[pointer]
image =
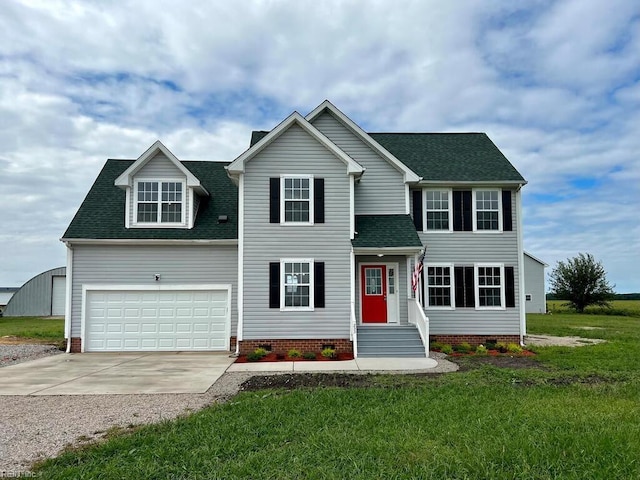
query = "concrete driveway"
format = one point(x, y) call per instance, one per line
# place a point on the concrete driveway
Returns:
point(115, 373)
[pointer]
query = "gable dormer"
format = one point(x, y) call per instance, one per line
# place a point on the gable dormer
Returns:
point(160, 191)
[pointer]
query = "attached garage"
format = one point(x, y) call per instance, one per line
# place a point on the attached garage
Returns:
point(156, 318)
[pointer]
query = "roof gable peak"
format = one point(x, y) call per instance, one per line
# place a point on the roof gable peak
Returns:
point(125, 179)
point(409, 175)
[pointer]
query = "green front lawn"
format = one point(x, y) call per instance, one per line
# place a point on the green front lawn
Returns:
point(36, 329)
point(575, 415)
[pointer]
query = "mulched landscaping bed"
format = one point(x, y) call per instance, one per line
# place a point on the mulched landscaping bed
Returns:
point(273, 357)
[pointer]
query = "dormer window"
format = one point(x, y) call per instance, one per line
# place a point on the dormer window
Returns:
point(159, 202)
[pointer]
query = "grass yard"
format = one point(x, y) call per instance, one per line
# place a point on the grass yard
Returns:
point(575, 415)
point(618, 307)
point(34, 329)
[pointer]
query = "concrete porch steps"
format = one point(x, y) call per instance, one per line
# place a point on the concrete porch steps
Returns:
point(389, 341)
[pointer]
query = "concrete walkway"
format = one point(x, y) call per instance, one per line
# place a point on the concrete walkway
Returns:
point(359, 364)
point(115, 373)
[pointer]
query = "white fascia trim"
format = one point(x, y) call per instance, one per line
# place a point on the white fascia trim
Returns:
point(407, 199)
point(152, 287)
point(479, 183)
point(125, 178)
point(130, 241)
point(240, 326)
point(409, 175)
point(69, 297)
point(238, 165)
point(531, 256)
point(387, 250)
point(521, 293)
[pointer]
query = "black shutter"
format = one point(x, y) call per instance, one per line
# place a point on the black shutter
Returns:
point(274, 200)
point(465, 293)
point(274, 285)
point(318, 287)
point(507, 224)
point(510, 290)
point(467, 211)
point(417, 209)
point(318, 200)
point(457, 213)
point(462, 211)
point(470, 291)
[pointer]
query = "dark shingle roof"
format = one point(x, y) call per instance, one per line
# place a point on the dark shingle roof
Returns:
point(458, 157)
point(382, 231)
point(101, 215)
point(453, 157)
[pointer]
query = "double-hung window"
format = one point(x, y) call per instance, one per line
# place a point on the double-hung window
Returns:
point(159, 202)
point(490, 286)
point(297, 199)
point(297, 284)
point(440, 293)
point(487, 210)
point(438, 210)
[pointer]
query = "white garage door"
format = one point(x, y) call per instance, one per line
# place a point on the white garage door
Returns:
point(166, 320)
point(58, 291)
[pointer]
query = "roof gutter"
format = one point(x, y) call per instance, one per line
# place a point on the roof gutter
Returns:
point(146, 241)
point(519, 183)
point(409, 250)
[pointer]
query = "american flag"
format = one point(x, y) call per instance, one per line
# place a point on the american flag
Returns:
point(415, 278)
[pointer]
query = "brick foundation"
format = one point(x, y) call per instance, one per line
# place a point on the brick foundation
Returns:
point(474, 340)
point(342, 345)
point(76, 345)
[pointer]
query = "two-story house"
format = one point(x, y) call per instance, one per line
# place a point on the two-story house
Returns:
point(309, 238)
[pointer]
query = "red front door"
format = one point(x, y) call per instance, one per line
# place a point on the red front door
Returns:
point(374, 293)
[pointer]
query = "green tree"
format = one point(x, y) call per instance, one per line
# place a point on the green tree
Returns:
point(582, 281)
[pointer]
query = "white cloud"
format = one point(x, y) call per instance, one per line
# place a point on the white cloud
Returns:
point(555, 85)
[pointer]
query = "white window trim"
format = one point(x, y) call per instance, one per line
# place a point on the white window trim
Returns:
point(159, 181)
point(424, 209)
point(477, 285)
point(474, 209)
point(311, 263)
point(452, 288)
point(282, 199)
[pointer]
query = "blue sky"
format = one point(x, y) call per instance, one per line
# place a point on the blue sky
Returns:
point(555, 84)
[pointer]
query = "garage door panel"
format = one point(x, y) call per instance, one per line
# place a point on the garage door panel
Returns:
point(157, 320)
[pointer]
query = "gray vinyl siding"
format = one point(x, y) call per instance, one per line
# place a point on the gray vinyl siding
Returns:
point(469, 248)
point(534, 286)
point(137, 265)
point(401, 283)
point(381, 189)
point(157, 168)
point(295, 152)
point(34, 297)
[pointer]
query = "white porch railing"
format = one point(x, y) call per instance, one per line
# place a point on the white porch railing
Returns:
point(420, 320)
point(354, 331)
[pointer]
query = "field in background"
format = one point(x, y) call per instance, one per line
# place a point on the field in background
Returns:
point(32, 329)
point(619, 307)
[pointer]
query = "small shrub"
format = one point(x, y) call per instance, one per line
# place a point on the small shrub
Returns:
point(514, 348)
point(293, 353)
point(254, 357)
point(481, 350)
point(447, 349)
point(309, 356)
point(437, 346)
point(501, 347)
point(463, 347)
point(328, 353)
point(261, 351)
point(490, 345)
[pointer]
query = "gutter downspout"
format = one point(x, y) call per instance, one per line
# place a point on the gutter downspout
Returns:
point(69, 296)
point(523, 315)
